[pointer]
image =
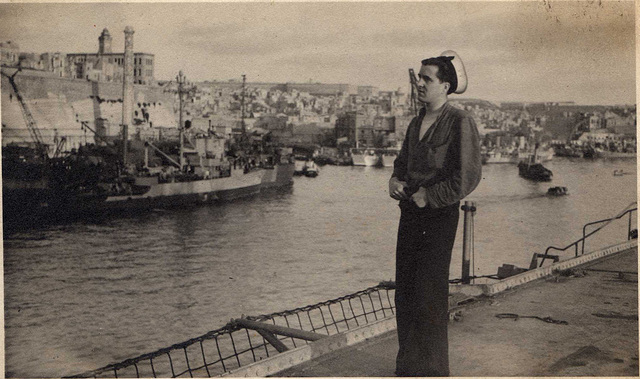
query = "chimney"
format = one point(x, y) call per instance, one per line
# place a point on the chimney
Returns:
point(127, 89)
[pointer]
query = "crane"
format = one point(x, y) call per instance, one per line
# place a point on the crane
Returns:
point(41, 147)
point(413, 81)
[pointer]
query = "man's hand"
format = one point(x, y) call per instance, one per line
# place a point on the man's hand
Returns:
point(420, 197)
point(396, 189)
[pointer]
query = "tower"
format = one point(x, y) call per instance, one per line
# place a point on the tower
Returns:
point(104, 42)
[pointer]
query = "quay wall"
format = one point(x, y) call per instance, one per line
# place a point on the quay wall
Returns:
point(60, 105)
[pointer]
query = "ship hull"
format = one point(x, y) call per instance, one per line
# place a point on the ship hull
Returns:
point(500, 159)
point(236, 186)
point(388, 158)
point(364, 160)
point(29, 205)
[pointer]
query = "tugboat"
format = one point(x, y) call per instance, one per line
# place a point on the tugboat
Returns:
point(532, 170)
point(536, 172)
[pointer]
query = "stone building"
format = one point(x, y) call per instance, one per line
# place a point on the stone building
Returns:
point(53, 62)
point(355, 126)
point(9, 53)
point(106, 65)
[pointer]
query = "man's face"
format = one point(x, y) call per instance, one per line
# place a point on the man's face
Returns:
point(429, 86)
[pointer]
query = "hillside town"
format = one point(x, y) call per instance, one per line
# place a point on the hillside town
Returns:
point(334, 116)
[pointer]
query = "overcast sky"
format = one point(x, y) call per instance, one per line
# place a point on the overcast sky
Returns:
point(513, 51)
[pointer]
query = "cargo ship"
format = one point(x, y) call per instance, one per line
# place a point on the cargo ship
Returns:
point(120, 173)
point(90, 183)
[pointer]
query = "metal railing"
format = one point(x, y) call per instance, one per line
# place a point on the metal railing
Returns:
point(633, 207)
point(250, 339)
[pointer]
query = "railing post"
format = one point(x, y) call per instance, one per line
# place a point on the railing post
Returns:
point(629, 229)
point(469, 209)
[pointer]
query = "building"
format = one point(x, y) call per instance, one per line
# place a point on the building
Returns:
point(384, 128)
point(368, 91)
point(108, 66)
point(625, 124)
point(355, 126)
point(53, 62)
point(596, 121)
point(599, 136)
point(9, 53)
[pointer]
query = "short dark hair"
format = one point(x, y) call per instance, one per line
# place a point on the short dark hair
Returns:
point(446, 71)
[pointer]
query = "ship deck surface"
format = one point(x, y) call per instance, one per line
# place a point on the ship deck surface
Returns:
point(600, 305)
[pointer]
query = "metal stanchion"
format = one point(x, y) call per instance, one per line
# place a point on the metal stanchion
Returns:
point(469, 209)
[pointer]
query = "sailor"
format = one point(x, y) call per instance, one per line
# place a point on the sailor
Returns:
point(439, 164)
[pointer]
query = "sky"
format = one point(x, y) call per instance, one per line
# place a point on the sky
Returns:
point(512, 50)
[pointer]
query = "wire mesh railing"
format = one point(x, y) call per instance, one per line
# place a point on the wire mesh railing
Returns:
point(234, 346)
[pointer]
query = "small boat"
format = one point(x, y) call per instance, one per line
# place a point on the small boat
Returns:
point(591, 152)
point(388, 157)
point(557, 191)
point(311, 170)
point(300, 164)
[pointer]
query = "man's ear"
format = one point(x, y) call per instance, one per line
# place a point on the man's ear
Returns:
point(447, 85)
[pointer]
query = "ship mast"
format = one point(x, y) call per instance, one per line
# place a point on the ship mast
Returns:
point(242, 104)
point(356, 129)
point(181, 80)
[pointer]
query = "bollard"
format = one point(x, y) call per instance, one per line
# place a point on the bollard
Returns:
point(469, 209)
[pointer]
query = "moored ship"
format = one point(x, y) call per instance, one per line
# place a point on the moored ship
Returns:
point(364, 157)
point(500, 156)
point(88, 183)
point(514, 156)
point(388, 157)
point(108, 174)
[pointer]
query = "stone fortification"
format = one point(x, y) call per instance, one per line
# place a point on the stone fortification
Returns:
point(60, 106)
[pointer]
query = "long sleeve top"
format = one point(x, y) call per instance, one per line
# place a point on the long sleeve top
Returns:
point(446, 161)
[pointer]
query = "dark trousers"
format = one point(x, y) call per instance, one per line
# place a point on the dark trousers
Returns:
point(425, 241)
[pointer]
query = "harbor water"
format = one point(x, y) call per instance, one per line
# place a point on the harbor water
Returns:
point(85, 294)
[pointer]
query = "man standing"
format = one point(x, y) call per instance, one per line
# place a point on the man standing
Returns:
point(439, 165)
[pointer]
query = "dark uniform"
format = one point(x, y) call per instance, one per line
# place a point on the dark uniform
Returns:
point(447, 163)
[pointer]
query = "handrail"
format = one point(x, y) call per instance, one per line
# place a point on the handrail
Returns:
point(607, 221)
